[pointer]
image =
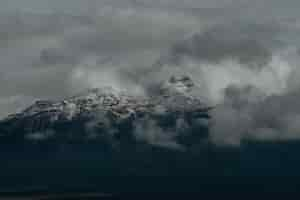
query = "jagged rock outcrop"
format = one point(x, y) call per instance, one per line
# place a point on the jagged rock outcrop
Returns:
point(171, 114)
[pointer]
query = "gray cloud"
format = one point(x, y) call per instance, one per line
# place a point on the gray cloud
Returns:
point(243, 63)
point(248, 114)
point(250, 74)
point(49, 54)
point(250, 44)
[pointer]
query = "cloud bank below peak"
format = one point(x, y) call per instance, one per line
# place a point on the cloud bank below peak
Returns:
point(243, 63)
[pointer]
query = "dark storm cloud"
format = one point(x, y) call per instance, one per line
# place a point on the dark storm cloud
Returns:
point(248, 43)
point(53, 56)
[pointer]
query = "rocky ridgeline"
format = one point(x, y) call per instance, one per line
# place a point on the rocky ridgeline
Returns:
point(109, 115)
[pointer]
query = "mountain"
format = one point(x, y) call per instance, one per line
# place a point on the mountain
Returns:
point(171, 115)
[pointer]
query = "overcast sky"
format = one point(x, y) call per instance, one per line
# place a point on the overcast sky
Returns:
point(243, 53)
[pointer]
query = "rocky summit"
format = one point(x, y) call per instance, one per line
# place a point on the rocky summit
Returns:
point(171, 115)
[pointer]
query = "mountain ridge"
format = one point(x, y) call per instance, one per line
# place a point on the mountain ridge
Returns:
point(171, 115)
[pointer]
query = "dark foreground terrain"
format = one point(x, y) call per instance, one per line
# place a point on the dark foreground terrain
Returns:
point(43, 168)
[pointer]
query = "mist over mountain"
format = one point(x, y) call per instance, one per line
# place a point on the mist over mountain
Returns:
point(171, 116)
point(243, 56)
